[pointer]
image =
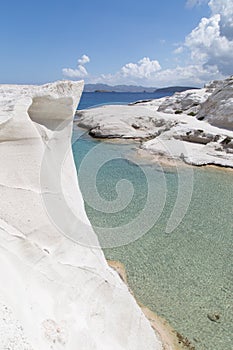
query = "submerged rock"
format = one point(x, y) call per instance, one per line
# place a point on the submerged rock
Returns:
point(214, 317)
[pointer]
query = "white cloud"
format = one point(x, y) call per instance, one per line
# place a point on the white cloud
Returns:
point(143, 72)
point(225, 9)
point(143, 69)
point(83, 60)
point(80, 71)
point(211, 42)
point(208, 50)
point(200, 41)
point(179, 50)
point(190, 75)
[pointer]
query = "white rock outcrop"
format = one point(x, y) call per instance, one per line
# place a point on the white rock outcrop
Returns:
point(177, 127)
point(54, 293)
point(188, 102)
point(128, 122)
point(218, 108)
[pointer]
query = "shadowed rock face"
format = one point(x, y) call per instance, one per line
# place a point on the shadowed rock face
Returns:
point(49, 111)
point(56, 292)
point(218, 108)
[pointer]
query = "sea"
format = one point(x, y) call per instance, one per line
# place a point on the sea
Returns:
point(93, 99)
point(184, 273)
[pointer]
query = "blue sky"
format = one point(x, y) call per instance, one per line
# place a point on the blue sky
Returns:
point(153, 43)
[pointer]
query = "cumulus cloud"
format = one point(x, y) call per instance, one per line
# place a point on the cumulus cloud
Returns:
point(211, 42)
point(142, 72)
point(208, 51)
point(225, 9)
point(144, 68)
point(83, 60)
point(190, 75)
point(80, 71)
point(209, 46)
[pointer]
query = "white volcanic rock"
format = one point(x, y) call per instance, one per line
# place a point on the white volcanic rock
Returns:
point(173, 135)
point(188, 102)
point(118, 121)
point(218, 109)
point(214, 84)
point(195, 143)
point(54, 293)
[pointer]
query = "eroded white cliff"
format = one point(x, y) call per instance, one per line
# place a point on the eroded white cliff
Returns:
point(54, 293)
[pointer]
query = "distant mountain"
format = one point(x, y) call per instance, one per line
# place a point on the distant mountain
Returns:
point(116, 88)
point(132, 88)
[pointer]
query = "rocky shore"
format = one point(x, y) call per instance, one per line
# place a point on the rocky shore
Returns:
point(194, 126)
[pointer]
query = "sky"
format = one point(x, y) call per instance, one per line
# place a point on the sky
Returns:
point(151, 43)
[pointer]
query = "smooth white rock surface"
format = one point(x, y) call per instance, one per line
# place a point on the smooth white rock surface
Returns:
point(54, 293)
point(124, 121)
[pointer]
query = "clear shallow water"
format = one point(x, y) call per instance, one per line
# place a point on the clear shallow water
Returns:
point(188, 274)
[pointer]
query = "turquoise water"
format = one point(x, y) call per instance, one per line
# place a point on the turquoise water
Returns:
point(185, 276)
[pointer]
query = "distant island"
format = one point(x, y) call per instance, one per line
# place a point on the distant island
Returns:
point(133, 88)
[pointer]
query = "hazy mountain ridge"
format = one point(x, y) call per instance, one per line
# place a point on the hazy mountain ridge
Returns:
point(133, 88)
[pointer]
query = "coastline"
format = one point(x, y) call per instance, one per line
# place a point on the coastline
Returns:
point(179, 128)
point(147, 157)
point(171, 163)
point(170, 339)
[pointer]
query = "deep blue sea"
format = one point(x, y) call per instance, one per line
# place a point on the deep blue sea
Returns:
point(185, 276)
point(91, 99)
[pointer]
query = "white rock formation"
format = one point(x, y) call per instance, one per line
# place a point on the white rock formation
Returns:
point(218, 109)
point(188, 102)
point(54, 292)
point(123, 121)
point(170, 125)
